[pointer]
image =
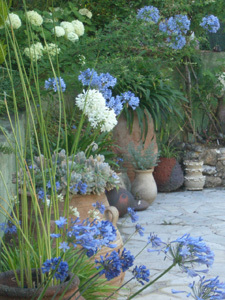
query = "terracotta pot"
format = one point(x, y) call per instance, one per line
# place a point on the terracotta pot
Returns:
point(83, 203)
point(168, 175)
point(123, 138)
point(144, 185)
point(10, 291)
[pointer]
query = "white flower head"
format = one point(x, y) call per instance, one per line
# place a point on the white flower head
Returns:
point(35, 52)
point(85, 12)
point(74, 211)
point(48, 202)
point(52, 49)
point(82, 59)
point(94, 105)
point(94, 214)
point(58, 31)
point(60, 198)
point(67, 26)
point(14, 21)
point(78, 27)
point(34, 18)
point(72, 36)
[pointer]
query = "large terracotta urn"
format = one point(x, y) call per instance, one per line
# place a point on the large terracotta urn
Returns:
point(123, 138)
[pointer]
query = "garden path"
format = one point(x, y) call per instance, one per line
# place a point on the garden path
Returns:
point(200, 213)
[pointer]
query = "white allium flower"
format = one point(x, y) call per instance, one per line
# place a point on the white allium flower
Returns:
point(59, 31)
point(85, 12)
point(58, 9)
point(14, 21)
point(47, 202)
point(93, 104)
point(34, 18)
point(52, 49)
point(74, 211)
point(82, 59)
point(78, 27)
point(35, 52)
point(94, 214)
point(60, 198)
point(67, 26)
point(72, 36)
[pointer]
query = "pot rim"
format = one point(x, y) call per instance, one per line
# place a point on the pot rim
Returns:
point(12, 291)
point(144, 171)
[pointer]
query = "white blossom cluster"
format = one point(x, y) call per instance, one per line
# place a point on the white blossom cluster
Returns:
point(221, 79)
point(14, 21)
point(52, 49)
point(85, 12)
point(94, 106)
point(71, 30)
point(34, 18)
point(35, 52)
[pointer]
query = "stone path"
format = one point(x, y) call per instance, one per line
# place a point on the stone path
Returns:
point(200, 213)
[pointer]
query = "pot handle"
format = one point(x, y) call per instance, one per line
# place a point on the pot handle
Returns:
point(111, 214)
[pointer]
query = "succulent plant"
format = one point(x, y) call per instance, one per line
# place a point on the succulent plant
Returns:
point(83, 175)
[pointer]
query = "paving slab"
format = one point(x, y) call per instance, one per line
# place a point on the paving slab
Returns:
point(200, 213)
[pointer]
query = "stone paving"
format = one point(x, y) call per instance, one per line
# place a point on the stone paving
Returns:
point(200, 213)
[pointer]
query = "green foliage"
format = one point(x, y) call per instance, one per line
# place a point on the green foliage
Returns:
point(141, 157)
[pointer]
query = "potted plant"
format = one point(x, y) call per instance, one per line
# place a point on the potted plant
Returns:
point(168, 173)
point(144, 161)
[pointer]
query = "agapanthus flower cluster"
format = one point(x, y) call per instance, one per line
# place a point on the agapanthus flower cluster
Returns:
point(57, 267)
point(55, 84)
point(80, 187)
point(187, 252)
point(8, 228)
point(34, 18)
point(211, 289)
point(13, 20)
point(210, 23)
point(35, 51)
point(85, 12)
point(141, 273)
point(176, 27)
point(93, 104)
point(113, 264)
point(104, 82)
point(91, 236)
point(148, 14)
point(133, 215)
point(99, 206)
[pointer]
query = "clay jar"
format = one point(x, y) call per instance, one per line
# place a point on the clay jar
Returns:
point(123, 138)
point(144, 185)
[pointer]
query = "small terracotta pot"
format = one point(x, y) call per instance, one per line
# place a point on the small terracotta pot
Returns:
point(168, 175)
point(10, 291)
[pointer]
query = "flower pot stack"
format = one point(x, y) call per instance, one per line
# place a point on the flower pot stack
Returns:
point(194, 180)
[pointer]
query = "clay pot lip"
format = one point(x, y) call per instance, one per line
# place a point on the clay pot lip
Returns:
point(145, 171)
point(11, 291)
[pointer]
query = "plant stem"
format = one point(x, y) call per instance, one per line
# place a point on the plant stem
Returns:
point(153, 281)
point(118, 289)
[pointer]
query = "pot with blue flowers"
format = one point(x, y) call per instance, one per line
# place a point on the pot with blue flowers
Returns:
point(80, 182)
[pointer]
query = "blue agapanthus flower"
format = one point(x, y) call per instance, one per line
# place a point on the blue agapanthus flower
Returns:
point(149, 14)
point(111, 265)
point(64, 246)
point(58, 268)
point(141, 273)
point(99, 206)
point(61, 222)
point(205, 289)
point(80, 187)
point(175, 28)
point(132, 214)
point(129, 98)
point(55, 84)
point(210, 23)
point(126, 259)
point(8, 228)
point(139, 229)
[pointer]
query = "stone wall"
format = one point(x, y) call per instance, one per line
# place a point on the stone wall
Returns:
point(214, 164)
